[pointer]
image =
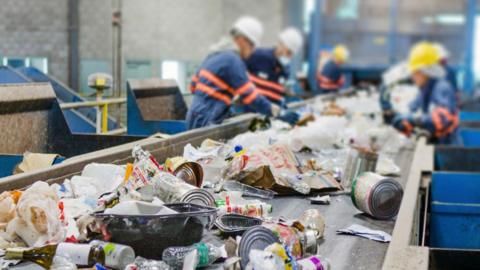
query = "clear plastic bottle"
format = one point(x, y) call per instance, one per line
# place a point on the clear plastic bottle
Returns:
point(313, 263)
point(247, 190)
point(206, 255)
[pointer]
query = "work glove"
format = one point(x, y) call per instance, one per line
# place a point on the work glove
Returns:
point(404, 124)
point(289, 117)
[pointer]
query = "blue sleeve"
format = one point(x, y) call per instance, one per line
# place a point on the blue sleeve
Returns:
point(452, 78)
point(245, 89)
point(443, 117)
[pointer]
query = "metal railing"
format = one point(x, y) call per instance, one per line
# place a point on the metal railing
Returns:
point(102, 112)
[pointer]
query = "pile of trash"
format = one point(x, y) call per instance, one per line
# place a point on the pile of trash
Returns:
point(148, 215)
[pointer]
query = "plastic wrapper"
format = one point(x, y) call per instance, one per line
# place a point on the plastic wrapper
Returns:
point(386, 166)
point(62, 263)
point(7, 207)
point(141, 263)
point(296, 182)
point(37, 220)
point(264, 260)
point(321, 134)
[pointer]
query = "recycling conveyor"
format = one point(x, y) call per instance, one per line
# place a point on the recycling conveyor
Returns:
point(344, 252)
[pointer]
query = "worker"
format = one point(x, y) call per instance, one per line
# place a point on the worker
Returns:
point(269, 67)
point(222, 79)
point(395, 75)
point(330, 78)
point(450, 72)
point(435, 102)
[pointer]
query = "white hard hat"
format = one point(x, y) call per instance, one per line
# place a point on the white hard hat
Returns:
point(442, 51)
point(292, 38)
point(250, 27)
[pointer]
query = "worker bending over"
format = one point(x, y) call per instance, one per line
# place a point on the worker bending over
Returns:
point(435, 104)
point(330, 78)
point(269, 68)
point(222, 78)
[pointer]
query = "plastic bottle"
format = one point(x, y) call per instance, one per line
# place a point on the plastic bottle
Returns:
point(248, 190)
point(255, 209)
point(116, 256)
point(206, 255)
point(312, 219)
point(313, 263)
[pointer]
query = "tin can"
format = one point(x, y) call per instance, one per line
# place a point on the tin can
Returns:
point(190, 172)
point(170, 189)
point(358, 161)
point(257, 237)
point(377, 196)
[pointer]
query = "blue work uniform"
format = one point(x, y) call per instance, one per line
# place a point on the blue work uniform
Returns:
point(330, 78)
point(267, 74)
point(438, 105)
point(451, 77)
point(222, 77)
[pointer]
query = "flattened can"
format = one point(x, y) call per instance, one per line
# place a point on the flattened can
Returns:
point(377, 196)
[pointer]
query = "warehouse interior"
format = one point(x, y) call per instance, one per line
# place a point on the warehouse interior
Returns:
point(254, 134)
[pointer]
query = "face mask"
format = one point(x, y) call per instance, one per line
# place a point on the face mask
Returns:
point(285, 61)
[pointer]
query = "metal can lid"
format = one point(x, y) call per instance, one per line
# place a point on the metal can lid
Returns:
point(386, 198)
point(257, 237)
point(199, 196)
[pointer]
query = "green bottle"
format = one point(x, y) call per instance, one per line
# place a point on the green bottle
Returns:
point(80, 254)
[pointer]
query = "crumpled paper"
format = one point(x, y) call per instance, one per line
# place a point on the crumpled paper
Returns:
point(365, 232)
point(37, 221)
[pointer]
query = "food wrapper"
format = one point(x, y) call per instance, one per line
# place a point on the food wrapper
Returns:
point(266, 166)
point(37, 221)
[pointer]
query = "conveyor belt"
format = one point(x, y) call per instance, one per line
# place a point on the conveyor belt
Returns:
point(344, 252)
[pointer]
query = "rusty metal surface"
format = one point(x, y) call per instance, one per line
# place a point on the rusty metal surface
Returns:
point(159, 99)
point(24, 117)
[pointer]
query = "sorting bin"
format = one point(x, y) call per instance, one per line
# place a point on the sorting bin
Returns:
point(459, 159)
point(455, 210)
point(469, 116)
point(470, 137)
point(8, 162)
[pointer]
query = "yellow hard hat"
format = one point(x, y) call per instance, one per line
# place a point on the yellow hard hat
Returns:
point(341, 53)
point(423, 54)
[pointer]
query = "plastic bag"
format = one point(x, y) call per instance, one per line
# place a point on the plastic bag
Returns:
point(37, 220)
point(264, 260)
point(7, 207)
point(62, 263)
point(141, 263)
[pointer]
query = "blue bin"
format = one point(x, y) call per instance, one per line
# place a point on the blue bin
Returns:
point(455, 210)
point(470, 137)
point(8, 162)
point(457, 159)
point(469, 116)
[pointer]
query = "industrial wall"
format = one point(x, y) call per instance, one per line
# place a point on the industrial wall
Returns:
point(152, 31)
point(30, 28)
